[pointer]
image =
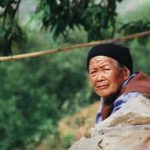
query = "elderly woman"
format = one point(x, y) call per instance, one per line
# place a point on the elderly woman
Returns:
point(111, 74)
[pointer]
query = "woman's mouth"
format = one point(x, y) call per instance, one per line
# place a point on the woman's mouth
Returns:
point(101, 87)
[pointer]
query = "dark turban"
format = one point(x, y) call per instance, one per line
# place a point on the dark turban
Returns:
point(116, 51)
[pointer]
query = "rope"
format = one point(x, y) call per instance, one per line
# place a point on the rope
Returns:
point(45, 52)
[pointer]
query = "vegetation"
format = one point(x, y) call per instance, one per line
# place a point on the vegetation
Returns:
point(36, 93)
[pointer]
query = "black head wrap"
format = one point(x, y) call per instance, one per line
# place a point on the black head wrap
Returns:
point(116, 51)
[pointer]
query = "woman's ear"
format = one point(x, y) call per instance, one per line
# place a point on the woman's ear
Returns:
point(126, 73)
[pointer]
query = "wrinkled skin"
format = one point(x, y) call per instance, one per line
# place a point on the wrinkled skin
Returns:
point(106, 76)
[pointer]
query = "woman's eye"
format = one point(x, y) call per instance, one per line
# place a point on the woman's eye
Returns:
point(93, 72)
point(106, 69)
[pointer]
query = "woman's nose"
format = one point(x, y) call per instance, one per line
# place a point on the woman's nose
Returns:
point(99, 77)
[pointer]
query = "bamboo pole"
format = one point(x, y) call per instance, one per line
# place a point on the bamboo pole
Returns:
point(45, 52)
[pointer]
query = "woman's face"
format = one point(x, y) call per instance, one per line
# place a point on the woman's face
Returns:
point(106, 76)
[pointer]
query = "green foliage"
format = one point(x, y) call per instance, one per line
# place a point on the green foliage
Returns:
point(68, 140)
point(95, 17)
point(136, 21)
point(141, 55)
point(23, 104)
point(12, 36)
point(136, 26)
point(36, 93)
point(60, 15)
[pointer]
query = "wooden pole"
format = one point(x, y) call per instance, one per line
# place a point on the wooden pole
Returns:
point(45, 52)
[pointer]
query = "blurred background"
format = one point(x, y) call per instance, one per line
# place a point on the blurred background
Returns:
point(44, 100)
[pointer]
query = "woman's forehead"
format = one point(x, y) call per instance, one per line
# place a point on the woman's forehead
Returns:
point(102, 59)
